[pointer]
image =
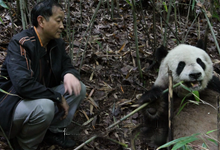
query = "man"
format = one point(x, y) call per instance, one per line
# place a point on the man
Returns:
point(40, 73)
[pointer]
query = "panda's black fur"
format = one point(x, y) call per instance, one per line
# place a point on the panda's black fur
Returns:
point(155, 126)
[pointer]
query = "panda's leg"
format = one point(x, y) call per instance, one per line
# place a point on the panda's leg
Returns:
point(155, 124)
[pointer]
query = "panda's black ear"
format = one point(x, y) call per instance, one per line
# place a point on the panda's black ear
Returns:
point(200, 44)
point(160, 53)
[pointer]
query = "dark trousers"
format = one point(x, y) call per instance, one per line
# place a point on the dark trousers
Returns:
point(33, 118)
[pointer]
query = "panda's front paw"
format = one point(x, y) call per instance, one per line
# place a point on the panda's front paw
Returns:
point(152, 95)
point(155, 136)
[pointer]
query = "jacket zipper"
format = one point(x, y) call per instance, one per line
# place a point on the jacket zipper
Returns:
point(51, 62)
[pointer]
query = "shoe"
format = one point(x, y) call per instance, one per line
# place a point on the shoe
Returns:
point(59, 139)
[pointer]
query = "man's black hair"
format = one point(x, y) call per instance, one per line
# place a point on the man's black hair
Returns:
point(43, 8)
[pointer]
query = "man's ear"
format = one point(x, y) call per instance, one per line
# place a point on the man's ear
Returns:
point(40, 20)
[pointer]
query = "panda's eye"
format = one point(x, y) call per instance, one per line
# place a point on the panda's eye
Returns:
point(180, 67)
point(201, 63)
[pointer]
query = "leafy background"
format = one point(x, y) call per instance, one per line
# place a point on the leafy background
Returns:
point(113, 49)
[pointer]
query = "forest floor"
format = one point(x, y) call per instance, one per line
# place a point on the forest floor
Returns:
point(110, 69)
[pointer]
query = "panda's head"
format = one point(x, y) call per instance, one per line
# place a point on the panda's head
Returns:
point(187, 63)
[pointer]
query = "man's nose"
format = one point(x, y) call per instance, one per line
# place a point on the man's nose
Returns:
point(61, 25)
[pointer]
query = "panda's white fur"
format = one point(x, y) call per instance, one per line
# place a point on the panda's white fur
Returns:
point(188, 54)
point(193, 118)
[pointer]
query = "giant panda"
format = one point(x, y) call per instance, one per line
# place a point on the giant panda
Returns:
point(193, 66)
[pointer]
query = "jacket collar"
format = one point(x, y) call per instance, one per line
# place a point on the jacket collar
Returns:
point(51, 45)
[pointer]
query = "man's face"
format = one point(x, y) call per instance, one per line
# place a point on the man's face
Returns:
point(54, 26)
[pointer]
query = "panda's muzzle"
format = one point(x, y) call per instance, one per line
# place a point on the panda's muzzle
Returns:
point(193, 84)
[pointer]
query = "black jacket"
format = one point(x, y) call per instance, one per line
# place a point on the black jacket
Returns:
point(22, 68)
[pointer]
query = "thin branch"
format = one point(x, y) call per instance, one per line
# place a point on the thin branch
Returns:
point(6, 138)
point(212, 31)
point(136, 39)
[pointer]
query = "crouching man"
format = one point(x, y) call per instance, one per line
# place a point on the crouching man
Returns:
point(39, 71)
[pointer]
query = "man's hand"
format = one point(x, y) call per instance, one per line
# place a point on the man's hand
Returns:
point(71, 84)
point(63, 106)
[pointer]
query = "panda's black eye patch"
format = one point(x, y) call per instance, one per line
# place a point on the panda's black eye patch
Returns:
point(180, 67)
point(201, 63)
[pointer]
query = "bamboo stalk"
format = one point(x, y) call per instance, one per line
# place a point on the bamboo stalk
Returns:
point(175, 16)
point(136, 39)
point(71, 46)
point(23, 16)
point(154, 25)
point(170, 112)
point(112, 9)
point(218, 122)
point(86, 142)
point(81, 14)
point(108, 7)
point(168, 18)
point(68, 22)
point(211, 29)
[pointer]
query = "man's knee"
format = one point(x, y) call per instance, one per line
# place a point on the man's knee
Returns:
point(46, 110)
point(31, 114)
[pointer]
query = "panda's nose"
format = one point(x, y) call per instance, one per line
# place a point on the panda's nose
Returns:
point(195, 75)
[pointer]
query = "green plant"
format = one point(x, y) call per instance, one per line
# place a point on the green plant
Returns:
point(3, 5)
point(183, 143)
point(194, 93)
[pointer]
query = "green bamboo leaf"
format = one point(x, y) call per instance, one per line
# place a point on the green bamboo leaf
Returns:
point(185, 98)
point(214, 141)
point(186, 88)
point(1, 75)
point(215, 15)
point(167, 144)
point(194, 102)
point(165, 6)
point(178, 140)
point(204, 145)
point(184, 147)
point(100, 45)
point(196, 95)
point(128, 2)
point(3, 4)
point(2, 21)
point(174, 86)
point(184, 142)
point(188, 147)
point(211, 131)
point(8, 93)
point(181, 108)
point(193, 4)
